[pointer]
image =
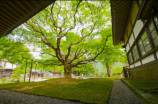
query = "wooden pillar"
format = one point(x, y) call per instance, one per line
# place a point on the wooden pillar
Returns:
point(42, 73)
point(30, 71)
point(35, 71)
point(25, 70)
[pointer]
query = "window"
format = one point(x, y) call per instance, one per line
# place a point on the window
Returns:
point(130, 57)
point(135, 53)
point(143, 43)
point(156, 21)
point(153, 32)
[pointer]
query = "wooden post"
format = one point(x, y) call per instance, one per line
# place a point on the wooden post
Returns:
point(94, 68)
point(53, 71)
point(43, 73)
point(30, 71)
point(25, 70)
point(35, 71)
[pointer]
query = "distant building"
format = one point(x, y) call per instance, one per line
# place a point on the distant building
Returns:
point(56, 73)
point(1, 71)
point(39, 73)
point(35, 73)
point(6, 69)
point(5, 72)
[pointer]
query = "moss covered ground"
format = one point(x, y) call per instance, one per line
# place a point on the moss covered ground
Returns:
point(148, 89)
point(83, 90)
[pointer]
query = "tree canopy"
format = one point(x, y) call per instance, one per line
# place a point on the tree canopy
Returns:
point(68, 34)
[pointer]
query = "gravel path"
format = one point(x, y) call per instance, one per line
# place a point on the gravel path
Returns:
point(121, 94)
point(11, 97)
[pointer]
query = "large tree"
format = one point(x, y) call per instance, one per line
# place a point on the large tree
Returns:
point(112, 55)
point(69, 32)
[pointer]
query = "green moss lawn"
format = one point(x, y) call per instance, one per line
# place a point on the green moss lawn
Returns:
point(83, 90)
point(145, 85)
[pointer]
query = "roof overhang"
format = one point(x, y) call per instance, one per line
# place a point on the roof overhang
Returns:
point(8, 69)
point(14, 13)
point(149, 9)
point(1, 68)
point(120, 10)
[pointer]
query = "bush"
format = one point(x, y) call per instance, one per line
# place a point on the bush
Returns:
point(117, 71)
point(3, 80)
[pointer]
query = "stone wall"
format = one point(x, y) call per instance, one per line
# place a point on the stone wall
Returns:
point(147, 71)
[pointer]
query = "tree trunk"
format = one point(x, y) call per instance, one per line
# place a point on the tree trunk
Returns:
point(25, 71)
point(67, 72)
point(108, 70)
point(30, 72)
point(94, 68)
point(35, 73)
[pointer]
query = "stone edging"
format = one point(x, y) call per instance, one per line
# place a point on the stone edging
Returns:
point(146, 97)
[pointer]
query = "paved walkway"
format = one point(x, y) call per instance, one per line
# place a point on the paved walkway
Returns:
point(121, 94)
point(12, 97)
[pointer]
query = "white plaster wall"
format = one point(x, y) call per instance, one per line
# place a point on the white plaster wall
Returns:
point(132, 66)
point(138, 26)
point(8, 65)
point(1, 64)
point(131, 39)
point(51, 74)
point(137, 63)
point(127, 47)
point(148, 59)
point(13, 66)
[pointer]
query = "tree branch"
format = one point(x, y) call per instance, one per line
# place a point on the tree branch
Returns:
point(47, 41)
point(91, 59)
point(59, 10)
point(36, 51)
point(68, 53)
point(35, 60)
point(85, 35)
point(74, 20)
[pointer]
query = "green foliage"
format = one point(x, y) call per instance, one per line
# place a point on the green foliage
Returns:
point(86, 69)
point(117, 70)
point(3, 80)
point(15, 77)
point(112, 54)
point(17, 71)
point(71, 32)
point(84, 24)
point(97, 72)
point(13, 51)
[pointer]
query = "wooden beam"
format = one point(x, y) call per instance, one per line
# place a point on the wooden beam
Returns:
point(13, 10)
point(17, 8)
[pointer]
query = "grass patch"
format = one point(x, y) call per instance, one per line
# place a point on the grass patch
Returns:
point(145, 85)
point(83, 90)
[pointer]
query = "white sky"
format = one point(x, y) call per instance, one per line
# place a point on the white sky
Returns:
point(35, 54)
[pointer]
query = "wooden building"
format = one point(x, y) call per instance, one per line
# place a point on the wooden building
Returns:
point(1, 71)
point(135, 24)
point(5, 72)
point(55, 73)
point(34, 74)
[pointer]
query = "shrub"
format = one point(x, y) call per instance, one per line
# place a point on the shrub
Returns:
point(3, 79)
